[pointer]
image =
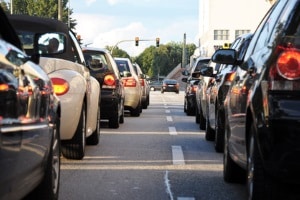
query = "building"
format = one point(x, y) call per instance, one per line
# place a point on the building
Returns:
point(221, 21)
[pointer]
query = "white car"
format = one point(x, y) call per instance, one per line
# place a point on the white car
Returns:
point(79, 93)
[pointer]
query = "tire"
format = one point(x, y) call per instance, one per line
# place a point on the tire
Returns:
point(136, 111)
point(232, 173)
point(121, 119)
point(202, 121)
point(75, 148)
point(49, 187)
point(197, 116)
point(209, 132)
point(219, 131)
point(95, 137)
point(114, 121)
point(259, 184)
point(184, 105)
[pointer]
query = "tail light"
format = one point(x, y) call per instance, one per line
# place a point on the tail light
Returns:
point(4, 87)
point(286, 70)
point(60, 86)
point(230, 77)
point(129, 82)
point(109, 82)
point(142, 81)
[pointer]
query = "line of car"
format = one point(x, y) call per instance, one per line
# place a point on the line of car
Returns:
point(248, 103)
point(53, 100)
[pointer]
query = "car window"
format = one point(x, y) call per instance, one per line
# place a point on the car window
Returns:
point(200, 65)
point(123, 65)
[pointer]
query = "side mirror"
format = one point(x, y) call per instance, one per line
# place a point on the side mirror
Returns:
point(50, 43)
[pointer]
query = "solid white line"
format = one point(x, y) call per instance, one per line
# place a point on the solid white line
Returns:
point(185, 198)
point(172, 130)
point(177, 154)
point(168, 186)
point(169, 118)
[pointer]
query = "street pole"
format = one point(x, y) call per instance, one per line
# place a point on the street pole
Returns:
point(184, 52)
point(59, 5)
point(11, 7)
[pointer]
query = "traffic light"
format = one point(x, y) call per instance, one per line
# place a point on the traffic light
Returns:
point(157, 42)
point(137, 41)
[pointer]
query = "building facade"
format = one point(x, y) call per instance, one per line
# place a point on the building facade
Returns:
point(221, 21)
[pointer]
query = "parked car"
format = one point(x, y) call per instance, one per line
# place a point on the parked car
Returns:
point(30, 120)
point(201, 95)
point(78, 92)
point(132, 86)
point(103, 67)
point(263, 106)
point(170, 85)
point(155, 85)
point(144, 85)
point(217, 92)
point(198, 64)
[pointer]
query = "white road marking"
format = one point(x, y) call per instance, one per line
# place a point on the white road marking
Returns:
point(172, 130)
point(177, 154)
point(168, 111)
point(169, 118)
point(168, 186)
point(185, 198)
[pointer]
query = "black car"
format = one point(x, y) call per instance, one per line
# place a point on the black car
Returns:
point(103, 67)
point(262, 142)
point(30, 119)
point(217, 92)
point(189, 105)
point(170, 85)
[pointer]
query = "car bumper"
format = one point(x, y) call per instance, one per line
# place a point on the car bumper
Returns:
point(109, 105)
point(280, 141)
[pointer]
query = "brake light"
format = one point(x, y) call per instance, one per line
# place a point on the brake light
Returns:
point(109, 82)
point(142, 81)
point(288, 64)
point(286, 71)
point(60, 86)
point(129, 82)
point(230, 77)
point(4, 87)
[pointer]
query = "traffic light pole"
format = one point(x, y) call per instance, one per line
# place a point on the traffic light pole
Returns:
point(112, 49)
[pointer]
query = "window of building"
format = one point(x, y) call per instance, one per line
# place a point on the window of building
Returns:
point(240, 32)
point(221, 34)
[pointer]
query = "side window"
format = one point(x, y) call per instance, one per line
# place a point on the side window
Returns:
point(266, 26)
point(78, 55)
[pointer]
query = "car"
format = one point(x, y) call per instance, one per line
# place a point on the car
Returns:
point(103, 67)
point(262, 106)
point(30, 120)
point(201, 95)
point(217, 92)
point(78, 91)
point(155, 85)
point(132, 86)
point(144, 84)
point(170, 85)
point(189, 105)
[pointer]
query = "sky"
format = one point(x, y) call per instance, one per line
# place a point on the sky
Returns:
point(108, 22)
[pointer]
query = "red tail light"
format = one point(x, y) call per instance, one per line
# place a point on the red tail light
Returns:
point(142, 81)
point(4, 87)
point(230, 76)
point(109, 82)
point(288, 64)
point(286, 71)
point(60, 86)
point(129, 82)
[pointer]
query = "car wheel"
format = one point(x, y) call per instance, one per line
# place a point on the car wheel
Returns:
point(219, 131)
point(114, 121)
point(259, 184)
point(95, 137)
point(209, 132)
point(75, 148)
point(232, 173)
point(49, 187)
point(197, 116)
point(202, 121)
point(184, 105)
point(136, 111)
point(121, 119)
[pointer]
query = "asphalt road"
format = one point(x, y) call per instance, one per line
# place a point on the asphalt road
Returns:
point(160, 155)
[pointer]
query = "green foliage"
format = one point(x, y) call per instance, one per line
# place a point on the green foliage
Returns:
point(118, 52)
point(41, 8)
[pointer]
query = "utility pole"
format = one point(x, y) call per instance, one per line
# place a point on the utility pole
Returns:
point(184, 52)
point(59, 5)
point(11, 7)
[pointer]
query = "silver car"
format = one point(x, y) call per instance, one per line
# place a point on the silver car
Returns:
point(145, 86)
point(132, 86)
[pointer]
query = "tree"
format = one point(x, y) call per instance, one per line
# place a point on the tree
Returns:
point(118, 52)
point(42, 8)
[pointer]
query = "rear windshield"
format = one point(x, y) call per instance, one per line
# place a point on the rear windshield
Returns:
point(123, 65)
